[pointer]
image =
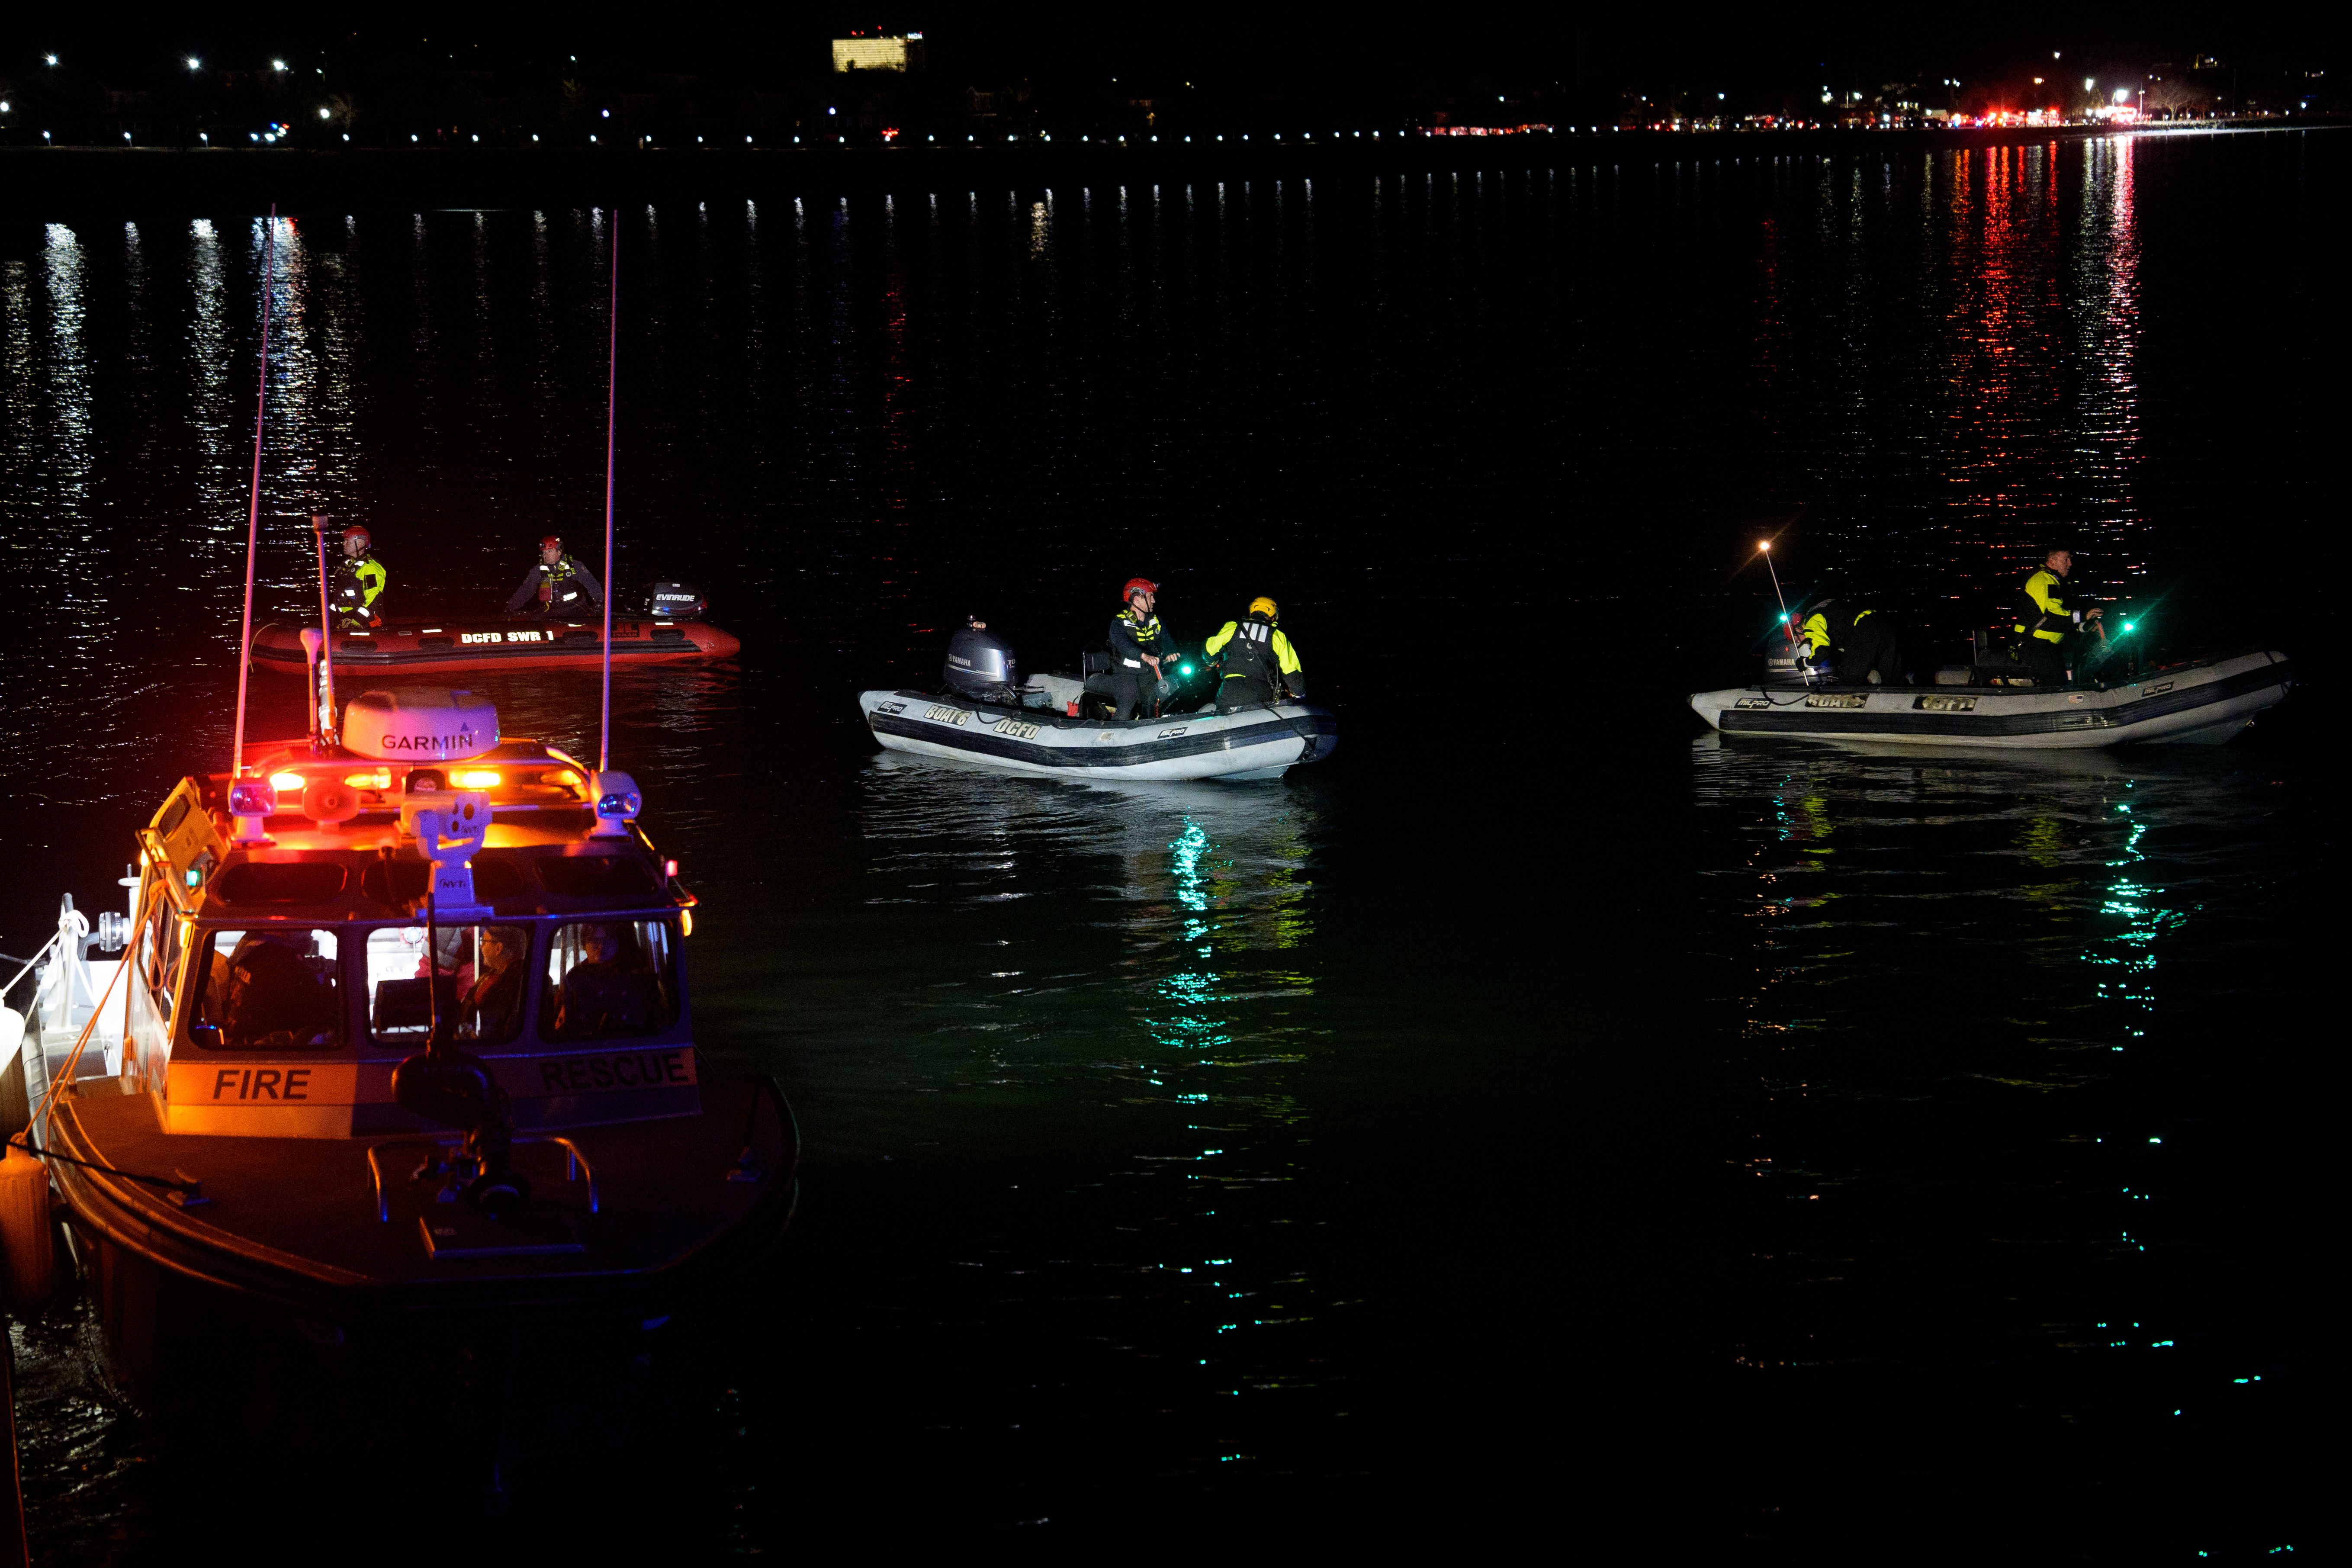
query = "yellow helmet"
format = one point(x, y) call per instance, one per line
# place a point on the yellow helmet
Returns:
point(1264, 605)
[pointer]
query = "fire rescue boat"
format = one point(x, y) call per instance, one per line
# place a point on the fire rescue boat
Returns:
point(2197, 702)
point(400, 1032)
point(1054, 725)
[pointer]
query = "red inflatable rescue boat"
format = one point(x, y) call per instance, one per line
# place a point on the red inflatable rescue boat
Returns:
point(500, 645)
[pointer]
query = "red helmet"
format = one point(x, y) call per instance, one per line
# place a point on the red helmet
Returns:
point(1138, 585)
point(550, 541)
point(361, 534)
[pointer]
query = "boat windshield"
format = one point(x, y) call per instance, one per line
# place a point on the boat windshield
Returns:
point(269, 989)
point(612, 979)
point(480, 974)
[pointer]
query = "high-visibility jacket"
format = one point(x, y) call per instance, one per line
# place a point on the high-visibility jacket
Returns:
point(562, 590)
point(1256, 649)
point(1131, 640)
point(358, 583)
point(2053, 620)
point(1830, 627)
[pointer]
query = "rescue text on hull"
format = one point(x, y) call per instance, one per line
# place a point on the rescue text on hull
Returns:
point(2200, 702)
point(1248, 744)
point(498, 644)
point(303, 1090)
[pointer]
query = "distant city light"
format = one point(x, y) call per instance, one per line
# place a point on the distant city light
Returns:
point(608, 113)
point(194, 64)
point(278, 65)
point(323, 114)
point(51, 59)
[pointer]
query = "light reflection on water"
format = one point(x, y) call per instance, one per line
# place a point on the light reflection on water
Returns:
point(2003, 989)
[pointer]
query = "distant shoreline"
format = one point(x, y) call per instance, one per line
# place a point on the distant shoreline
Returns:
point(50, 183)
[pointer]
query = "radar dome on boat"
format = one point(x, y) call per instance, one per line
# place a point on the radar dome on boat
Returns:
point(419, 726)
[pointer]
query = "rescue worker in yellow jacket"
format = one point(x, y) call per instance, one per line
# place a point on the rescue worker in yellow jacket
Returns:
point(1857, 645)
point(1258, 659)
point(357, 584)
point(2048, 633)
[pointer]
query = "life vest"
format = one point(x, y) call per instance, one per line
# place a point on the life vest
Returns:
point(559, 587)
point(1145, 635)
point(1250, 654)
point(2044, 614)
point(1254, 651)
point(353, 593)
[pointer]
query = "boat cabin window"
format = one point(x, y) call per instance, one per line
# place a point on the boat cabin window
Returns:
point(158, 956)
point(269, 989)
point(481, 974)
point(610, 980)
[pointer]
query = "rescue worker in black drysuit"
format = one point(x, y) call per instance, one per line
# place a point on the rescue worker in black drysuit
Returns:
point(565, 589)
point(1858, 645)
point(1258, 660)
point(357, 584)
point(1135, 652)
point(2048, 634)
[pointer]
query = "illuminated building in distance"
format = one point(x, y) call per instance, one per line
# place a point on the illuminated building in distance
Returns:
point(891, 52)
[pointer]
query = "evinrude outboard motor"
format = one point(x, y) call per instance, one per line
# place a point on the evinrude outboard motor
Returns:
point(675, 602)
point(980, 665)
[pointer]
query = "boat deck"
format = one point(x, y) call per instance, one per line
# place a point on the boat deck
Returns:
point(296, 1218)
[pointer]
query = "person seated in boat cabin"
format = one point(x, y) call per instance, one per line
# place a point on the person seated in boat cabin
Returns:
point(564, 588)
point(1257, 658)
point(609, 990)
point(454, 964)
point(489, 1007)
point(2048, 634)
point(358, 583)
point(1856, 644)
point(278, 993)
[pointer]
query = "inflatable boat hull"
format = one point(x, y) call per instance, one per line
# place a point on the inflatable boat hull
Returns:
point(1255, 742)
point(500, 645)
point(2203, 702)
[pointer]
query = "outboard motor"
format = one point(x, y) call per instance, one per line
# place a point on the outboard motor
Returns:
point(980, 665)
point(675, 602)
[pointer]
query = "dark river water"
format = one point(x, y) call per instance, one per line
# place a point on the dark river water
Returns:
point(1542, 1116)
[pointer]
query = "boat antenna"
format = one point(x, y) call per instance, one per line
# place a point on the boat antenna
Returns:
point(253, 506)
point(611, 406)
point(1788, 624)
point(322, 725)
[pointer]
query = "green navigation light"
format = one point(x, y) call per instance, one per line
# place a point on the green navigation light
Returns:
point(1187, 669)
point(2128, 626)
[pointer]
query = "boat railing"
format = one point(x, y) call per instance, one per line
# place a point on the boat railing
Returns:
point(576, 1164)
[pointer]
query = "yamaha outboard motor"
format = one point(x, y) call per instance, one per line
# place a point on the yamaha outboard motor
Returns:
point(980, 665)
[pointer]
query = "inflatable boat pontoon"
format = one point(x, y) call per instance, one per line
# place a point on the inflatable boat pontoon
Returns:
point(1251, 743)
point(2203, 701)
point(500, 645)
